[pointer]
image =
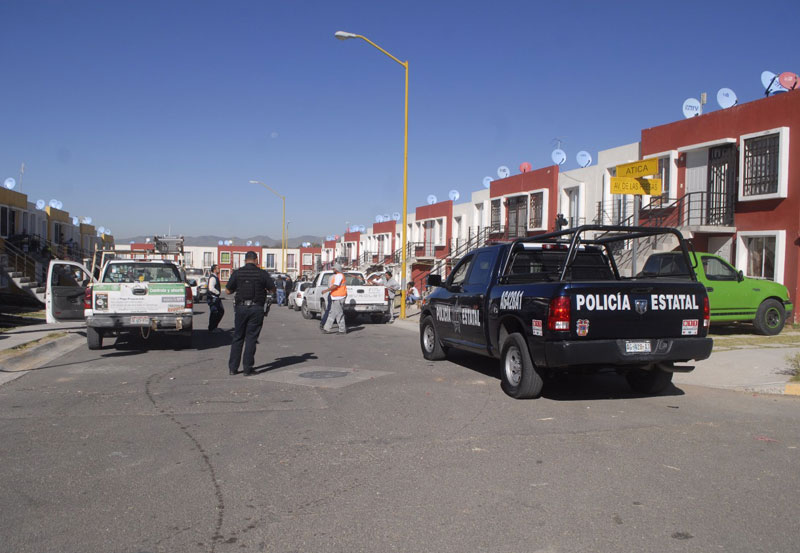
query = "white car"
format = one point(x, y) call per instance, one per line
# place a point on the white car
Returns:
point(200, 286)
point(296, 295)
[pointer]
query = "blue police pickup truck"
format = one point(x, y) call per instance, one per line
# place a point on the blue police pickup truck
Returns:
point(570, 302)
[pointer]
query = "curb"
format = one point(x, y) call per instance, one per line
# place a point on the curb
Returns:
point(792, 389)
point(41, 354)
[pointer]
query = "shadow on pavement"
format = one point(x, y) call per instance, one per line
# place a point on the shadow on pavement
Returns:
point(606, 385)
point(282, 362)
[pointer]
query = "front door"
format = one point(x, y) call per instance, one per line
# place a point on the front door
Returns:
point(445, 309)
point(721, 185)
point(66, 286)
point(471, 301)
point(517, 216)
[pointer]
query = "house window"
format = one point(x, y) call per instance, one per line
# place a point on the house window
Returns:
point(208, 259)
point(517, 216)
point(4, 221)
point(225, 274)
point(760, 256)
point(188, 258)
point(306, 259)
point(270, 260)
point(238, 260)
point(496, 215)
point(761, 161)
point(664, 164)
point(290, 260)
point(225, 258)
point(535, 213)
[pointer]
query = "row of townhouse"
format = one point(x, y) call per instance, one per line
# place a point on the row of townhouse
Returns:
point(31, 235)
point(730, 182)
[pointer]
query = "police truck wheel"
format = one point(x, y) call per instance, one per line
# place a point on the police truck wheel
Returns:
point(429, 341)
point(94, 338)
point(649, 381)
point(305, 312)
point(769, 318)
point(518, 376)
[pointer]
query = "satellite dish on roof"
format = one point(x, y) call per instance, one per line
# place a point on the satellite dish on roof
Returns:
point(772, 84)
point(726, 98)
point(86, 220)
point(558, 156)
point(40, 204)
point(487, 182)
point(788, 80)
point(525, 167)
point(692, 108)
point(59, 205)
point(101, 230)
point(221, 243)
point(379, 218)
point(258, 243)
point(454, 195)
point(431, 199)
point(132, 242)
point(584, 158)
point(10, 183)
point(396, 216)
point(108, 231)
point(146, 240)
point(362, 228)
point(386, 217)
point(75, 221)
point(249, 242)
point(503, 171)
point(53, 203)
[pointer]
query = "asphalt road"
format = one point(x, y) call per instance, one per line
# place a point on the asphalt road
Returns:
point(356, 443)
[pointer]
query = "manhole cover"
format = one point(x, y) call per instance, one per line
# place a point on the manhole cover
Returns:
point(323, 374)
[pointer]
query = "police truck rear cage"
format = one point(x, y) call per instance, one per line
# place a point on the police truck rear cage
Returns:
point(575, 237)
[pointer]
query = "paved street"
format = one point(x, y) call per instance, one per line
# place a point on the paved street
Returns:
point(356, 443)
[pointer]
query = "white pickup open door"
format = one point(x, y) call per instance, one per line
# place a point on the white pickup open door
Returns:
point(66, 286)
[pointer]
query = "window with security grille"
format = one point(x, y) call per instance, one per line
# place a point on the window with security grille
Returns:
point(761, 156)
point(760, 256)
point(496, 215)
point(536, 205)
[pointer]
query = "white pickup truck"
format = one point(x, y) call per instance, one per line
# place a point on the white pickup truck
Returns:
point(361, 299)
point(141, 296)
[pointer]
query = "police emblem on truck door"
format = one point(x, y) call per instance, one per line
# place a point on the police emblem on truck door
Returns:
point(640, 306)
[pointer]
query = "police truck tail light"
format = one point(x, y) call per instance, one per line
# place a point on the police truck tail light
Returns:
point(87, 298)
point(559, 314)
point(706, 313)
point(189, 303)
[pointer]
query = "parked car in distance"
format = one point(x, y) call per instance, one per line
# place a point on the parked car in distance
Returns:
point(732, 296)
point(200, 288)
point(296, 295)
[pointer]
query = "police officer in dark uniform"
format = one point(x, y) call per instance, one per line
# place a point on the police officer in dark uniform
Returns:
point(251, 284)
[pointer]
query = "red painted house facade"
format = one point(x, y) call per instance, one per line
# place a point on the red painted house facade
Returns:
point(310, 260)
point(431, 236)
point(524, 204)
point(232, 257)
point(384, 238)
point(351, 249)
point(735, 177)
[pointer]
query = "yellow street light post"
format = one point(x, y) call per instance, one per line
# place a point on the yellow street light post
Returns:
point(283, 225)
point(342, 35)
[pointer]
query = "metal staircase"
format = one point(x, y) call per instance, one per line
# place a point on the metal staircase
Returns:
point(23, 270)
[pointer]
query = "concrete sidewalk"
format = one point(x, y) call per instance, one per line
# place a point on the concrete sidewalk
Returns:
point(757, 369)
point(28, 346)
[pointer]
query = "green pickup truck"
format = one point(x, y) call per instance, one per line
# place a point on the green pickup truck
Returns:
point(731, 295)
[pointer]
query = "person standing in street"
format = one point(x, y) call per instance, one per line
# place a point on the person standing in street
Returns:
point(338, 290)
point(251, 284)
point(391, 288)
point(215, 309)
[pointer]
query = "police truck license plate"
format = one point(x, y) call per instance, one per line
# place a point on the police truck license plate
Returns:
point(637, 347)
point(140, 320)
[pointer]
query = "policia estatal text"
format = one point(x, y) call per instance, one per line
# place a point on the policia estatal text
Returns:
point(251, 285)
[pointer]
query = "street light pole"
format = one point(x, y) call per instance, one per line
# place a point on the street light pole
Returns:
point(343, 35)
point(283, 226)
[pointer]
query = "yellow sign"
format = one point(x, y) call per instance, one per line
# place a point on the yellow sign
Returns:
point(640, 187)
point(643, 168)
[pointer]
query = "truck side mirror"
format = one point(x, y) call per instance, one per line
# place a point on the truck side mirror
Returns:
point(740, 276)
point(434, 280)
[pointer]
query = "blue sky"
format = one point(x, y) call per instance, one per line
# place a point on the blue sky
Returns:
point(148, 114)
